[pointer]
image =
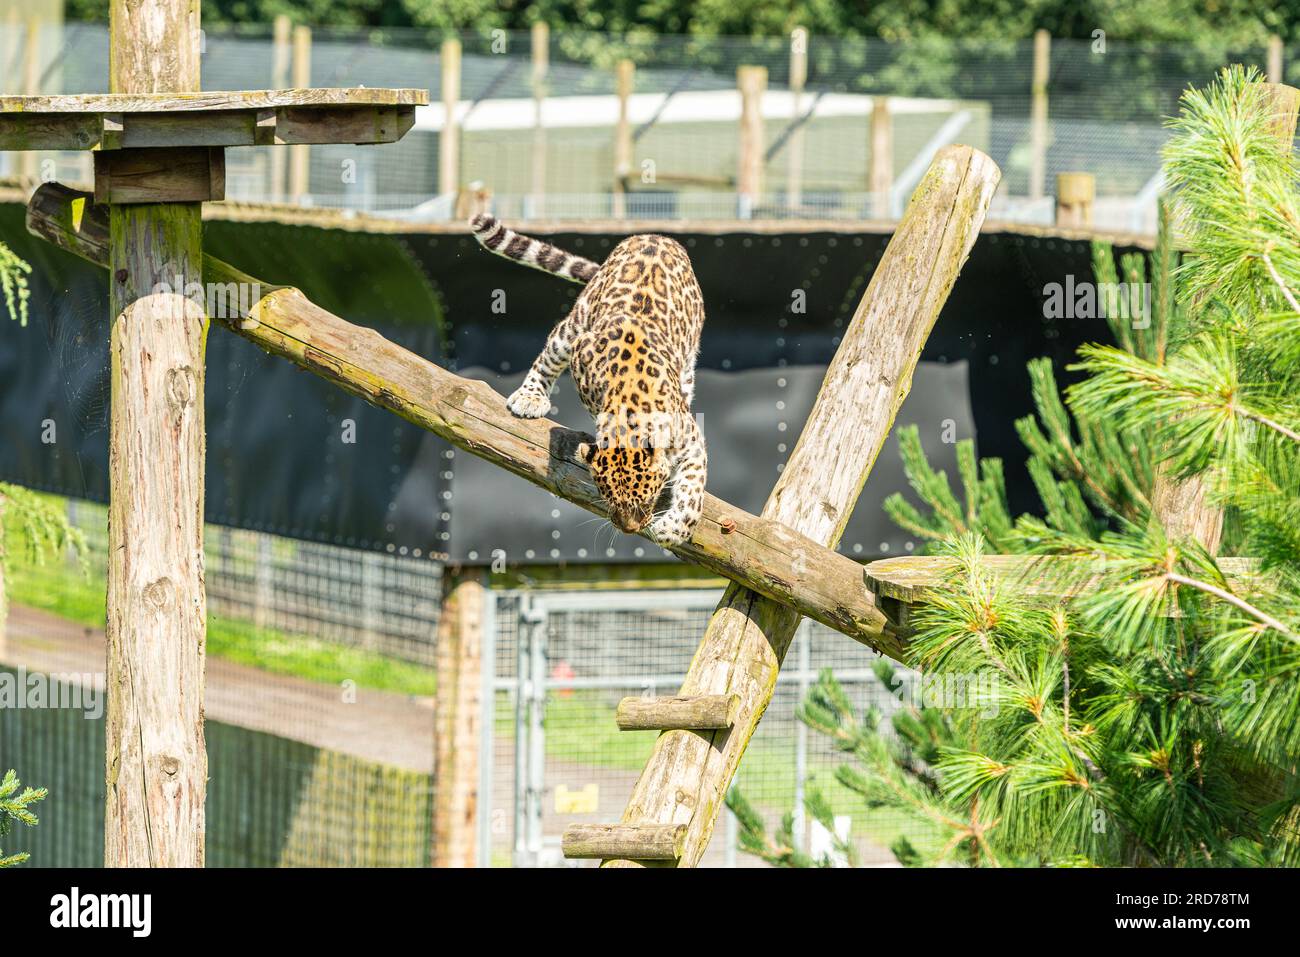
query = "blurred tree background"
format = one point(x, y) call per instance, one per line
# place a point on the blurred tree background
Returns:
point(1232, 22)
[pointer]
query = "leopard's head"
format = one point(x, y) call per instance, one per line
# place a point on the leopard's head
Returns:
point(630, 474)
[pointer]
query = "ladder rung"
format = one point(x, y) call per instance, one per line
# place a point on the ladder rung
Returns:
point(709, 712)
point(626, 842)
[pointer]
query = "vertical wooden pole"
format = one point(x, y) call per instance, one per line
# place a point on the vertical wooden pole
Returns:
point(880, 176)
point(281, 57)
point(541, 64)
point(688, 774)
point(1181, 505)
point(1038, 114)
point(1275, 59)
point(29, 160)
point(457, 710)
point(625, 77)
point(449, 141)
point(300, 153)
point(752, 83)
point(157, 607)
point(1075, 193)
point(798, 78)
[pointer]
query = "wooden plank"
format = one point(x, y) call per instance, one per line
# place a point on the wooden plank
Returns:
point(449, 137)
point(156, 762)
point(762, 552)
point(751, 81)
point(624, 79)
point(213, 101)
point(646, 842)
point(299, 153)
point(175, 175)
point(688, 774)
point(915, 579)
point(677, 713)
point(362, 125)
point(1038, 130)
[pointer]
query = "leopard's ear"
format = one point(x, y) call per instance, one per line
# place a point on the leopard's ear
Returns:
point(585, 451)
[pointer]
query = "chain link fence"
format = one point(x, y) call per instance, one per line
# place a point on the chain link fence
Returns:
point(543, 141)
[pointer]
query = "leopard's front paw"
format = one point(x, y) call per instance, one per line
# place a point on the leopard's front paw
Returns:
point(668, 531)
point(528, 403)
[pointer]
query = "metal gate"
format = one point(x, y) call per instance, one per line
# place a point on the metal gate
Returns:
point(555, 666)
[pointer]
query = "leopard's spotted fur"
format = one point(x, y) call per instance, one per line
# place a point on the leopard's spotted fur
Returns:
point(630, 342)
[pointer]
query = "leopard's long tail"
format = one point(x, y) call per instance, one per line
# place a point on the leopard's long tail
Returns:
point(499, 238)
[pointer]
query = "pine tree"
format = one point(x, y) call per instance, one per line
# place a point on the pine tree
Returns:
point(1155, 718)
point(15, 807)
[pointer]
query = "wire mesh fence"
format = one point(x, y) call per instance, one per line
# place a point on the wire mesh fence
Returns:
point(542, 139)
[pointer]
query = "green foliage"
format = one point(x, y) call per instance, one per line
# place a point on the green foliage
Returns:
point(13, 284)
point(15, 807)
point(39, 525)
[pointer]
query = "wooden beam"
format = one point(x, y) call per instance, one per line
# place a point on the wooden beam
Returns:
point(1038, 114)
point(751, 81)
point(215, 101)
point(156, 762)
point(27, 163)
point(699, 713)
point(171, 175)
point(299, 153)
point(457, 709)
point(624, 79)
point(688, 774)
point(1275, 52)
point(653, 842)
point(449, 138)
point(761, 552)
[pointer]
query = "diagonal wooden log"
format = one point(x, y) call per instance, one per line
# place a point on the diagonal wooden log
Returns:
point(759, 552)
point(746, 640)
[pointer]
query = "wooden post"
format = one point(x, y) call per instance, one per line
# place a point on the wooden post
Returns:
point(1180, 505)
point(449, 141)
point(688, 774)
point(1038, 114)
point(1075, 193)
point(29, 160)
point(541, 64)
point(281, 58)
point(457, 709)
point(880, 178)
point(1275, 51)
point(157, 607)
point(752, 83)
point(625, 77)
point(300, 153)
point(798, 78)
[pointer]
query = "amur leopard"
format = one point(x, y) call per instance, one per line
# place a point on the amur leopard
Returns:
point(630, 342)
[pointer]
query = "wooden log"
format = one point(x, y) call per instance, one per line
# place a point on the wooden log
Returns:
point(699, 713)
point(1075, 193)
point(1038, 114)
point(1181, 505)
point(762, 553)
point(751, 81)
point(1275, 51)
point(457, 709)
point(300, 153)
point(27, 162)
point(646, 842)
point(688, 774)
point(156, 763)
point(173, 175)
point(449, 138)
point(624, 78)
